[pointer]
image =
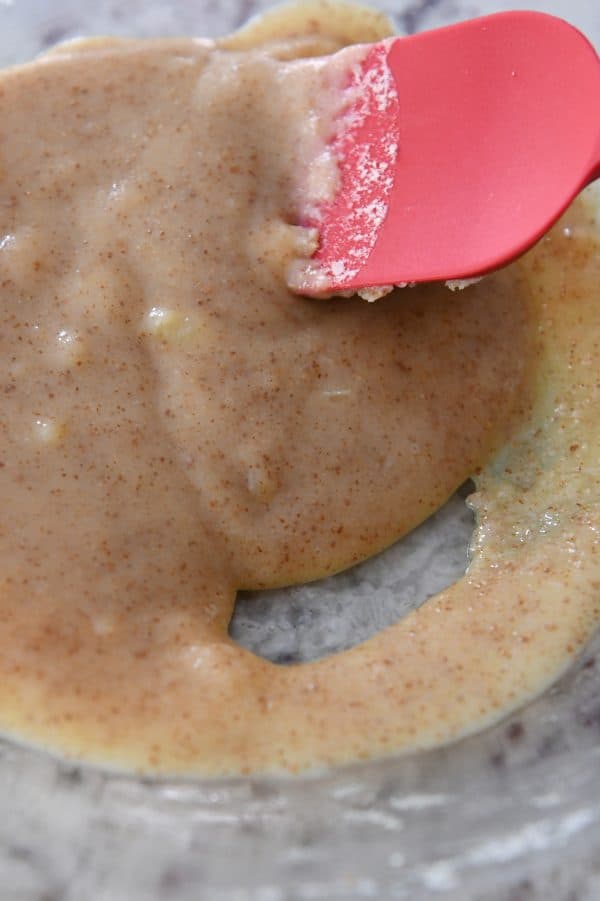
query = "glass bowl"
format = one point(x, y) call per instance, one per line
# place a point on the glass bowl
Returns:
point(512, 813)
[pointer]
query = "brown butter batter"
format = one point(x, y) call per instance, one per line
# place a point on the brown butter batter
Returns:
point(175, 425)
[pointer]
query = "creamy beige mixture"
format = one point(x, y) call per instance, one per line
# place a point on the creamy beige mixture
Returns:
point(176, 425)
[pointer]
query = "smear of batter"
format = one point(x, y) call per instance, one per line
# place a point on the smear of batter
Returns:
point(175, 425)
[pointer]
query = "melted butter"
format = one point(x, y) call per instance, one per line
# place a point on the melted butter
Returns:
point(175, 425)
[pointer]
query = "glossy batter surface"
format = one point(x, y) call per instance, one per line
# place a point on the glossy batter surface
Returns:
point(176, 425)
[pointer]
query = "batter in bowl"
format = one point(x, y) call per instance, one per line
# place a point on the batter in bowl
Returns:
point(176, 425)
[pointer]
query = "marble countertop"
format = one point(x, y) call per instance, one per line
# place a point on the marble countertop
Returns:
point(512, 814)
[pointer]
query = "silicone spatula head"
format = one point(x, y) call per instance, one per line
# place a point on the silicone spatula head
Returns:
point(463, 146)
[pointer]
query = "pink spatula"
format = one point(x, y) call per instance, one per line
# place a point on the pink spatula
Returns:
point(462, 146)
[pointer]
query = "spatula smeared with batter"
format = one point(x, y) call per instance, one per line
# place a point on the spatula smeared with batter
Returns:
point(461, 147)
